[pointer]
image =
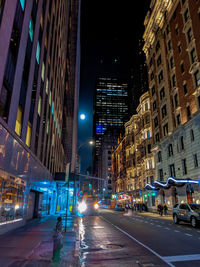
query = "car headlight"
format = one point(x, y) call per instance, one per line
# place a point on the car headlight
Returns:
point(82, 207)
point(96, 206)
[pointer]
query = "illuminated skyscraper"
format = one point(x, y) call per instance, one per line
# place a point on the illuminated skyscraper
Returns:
point(110, 110)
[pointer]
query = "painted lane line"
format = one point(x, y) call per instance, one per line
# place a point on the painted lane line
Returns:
point(177, 231)
point(198, 231)
point(192, 257)
point(140, 243)
point(167, 228)
point(158, 225)
point(188, 234)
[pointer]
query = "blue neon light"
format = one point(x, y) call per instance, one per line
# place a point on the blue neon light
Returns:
point(38, 53)
point(99, 128)
point(22, 2)
point(53, 107)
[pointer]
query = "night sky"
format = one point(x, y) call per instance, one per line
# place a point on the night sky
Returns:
point(110, 31)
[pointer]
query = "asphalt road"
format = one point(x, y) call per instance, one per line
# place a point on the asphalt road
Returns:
point(115, 239)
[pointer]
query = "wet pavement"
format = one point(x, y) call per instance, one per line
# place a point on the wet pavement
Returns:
point(101, 244)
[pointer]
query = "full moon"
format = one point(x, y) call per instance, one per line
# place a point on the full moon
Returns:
point(82, 116)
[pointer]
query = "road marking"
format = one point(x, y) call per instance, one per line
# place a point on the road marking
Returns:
point(167, 228)
point(192, 257)
point(152, 223)
point(140, 243)
point(158, 225)
point(198, 231)
point(188, 234)
point(177, 231)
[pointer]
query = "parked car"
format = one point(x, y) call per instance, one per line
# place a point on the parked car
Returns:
point(187, 212)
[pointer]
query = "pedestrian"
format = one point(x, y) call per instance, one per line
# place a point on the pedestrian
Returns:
point(161, 210)
point(165, 209)
point(57, 239)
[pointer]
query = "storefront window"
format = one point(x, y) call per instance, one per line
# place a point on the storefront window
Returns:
point(12, 191)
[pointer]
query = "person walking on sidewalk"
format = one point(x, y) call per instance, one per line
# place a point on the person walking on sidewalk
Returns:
point(57, 239)
point(165, 209)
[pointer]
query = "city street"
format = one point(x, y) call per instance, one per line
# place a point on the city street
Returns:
point(115, 239)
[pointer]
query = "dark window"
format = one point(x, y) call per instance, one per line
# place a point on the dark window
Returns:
point(164, 111)
point(156, 122)
point(159, 61)
point(182, 68)
point(172, 170)
point(160, 76)
point(154, 105)
point(176, 100)
point(157, 137)
point(174, 15)
point(174, 80)
point(198, 99)
point(188, 112)
point(193, 55)
point(191, 135)
point(189, 35)
point(182, 143)
point(1, 8)
point(195, 160)
point(149, 148)
point(159, 156)
point(5, 98)
point(178, 118)
point(161, 174)
point(170, 150)
point(152, 75)
point(153, 90)
point(177, 31)
point(197, 78)
point(185, 88)
point(157, 46)
point(167, 29)
point(151, 62)
point(165, 129)
point(183, 2)
point(179, 48)
point(184, 166)
point(171, 62)
point(162, 93)
point(186, 15)
point(169, 45)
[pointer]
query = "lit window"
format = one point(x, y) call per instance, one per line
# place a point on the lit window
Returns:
point(48, 127)
point(50, 98)
point(53, 140)
point(18, 124)
point(28, 135)
point(38, 53)
point(31, 30)
point(39, 106)
point(43, 70)
point(41, 21)
point(22, 2)
point(47, 86)
point(55, 116)
point(53, 107)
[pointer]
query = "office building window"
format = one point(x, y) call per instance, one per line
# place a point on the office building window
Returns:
point(177, 30)
point(31, 30)
point(179, 48)
point(186, 15)
point(38, 53)
point(1, 8)
point(164, 111)
point(160, 77)
point(159, 61)
point(152, 75)
point(189, 35)
point(157, 137)
point(22, 2)
point(161, 174)
point(167, 29)
point(18, 124)
point(198, 100)
point(191, 135)
point(172, 170)
point(178, 118)
point(47, 86)
point(171, 62)
point(182, 68)
point(176, 100)
point(193, 55)
point(154, 105)
point(185, 88)
point(174, 80)
point(157, 46)
point(156, 122)
point(28, 135)
point(197, 78)
point(184, 166)
point(151, 62)
point(153, 90)
point(165, 129)
point(195, 160)
point(188, 112)
point(159, 156)
point(170, 150)
point(169, 44)
point(162, 93)
point(43, 70)
point(182, 143)
point(39, 105)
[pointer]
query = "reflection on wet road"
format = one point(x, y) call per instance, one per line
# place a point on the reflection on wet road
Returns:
point(101, 244)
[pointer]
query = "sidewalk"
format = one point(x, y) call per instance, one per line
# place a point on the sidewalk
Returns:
point(32, 245)
point(155, 215)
